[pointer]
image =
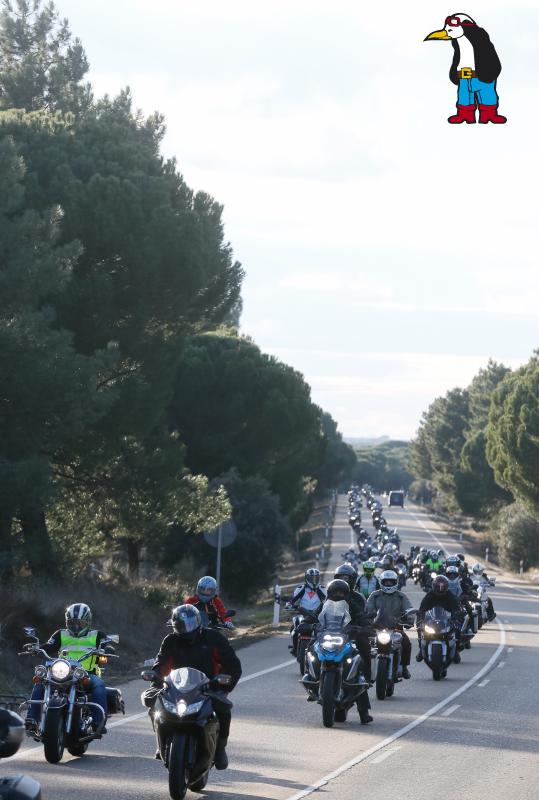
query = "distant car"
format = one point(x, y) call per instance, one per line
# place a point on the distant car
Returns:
point(396, 499)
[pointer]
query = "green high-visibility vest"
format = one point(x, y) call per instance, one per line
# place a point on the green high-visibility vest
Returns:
point(75, 647)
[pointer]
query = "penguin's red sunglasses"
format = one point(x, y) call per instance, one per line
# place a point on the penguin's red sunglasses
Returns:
point(455, 22)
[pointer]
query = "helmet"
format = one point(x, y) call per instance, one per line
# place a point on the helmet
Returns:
point(312, 577)
point(452, 572)
point(11, 733)
point(348, 573)
point(462, 557)
point(338, 590)
point(440, 553)
point(434, 555)
point(478, 568)
point(368, 568)
point(206, 588)
point(389, 581)
point(187, 622)
point(440, 584)
point(452, 561)
point(423, 551)
point(78, 619)
point(388, 561)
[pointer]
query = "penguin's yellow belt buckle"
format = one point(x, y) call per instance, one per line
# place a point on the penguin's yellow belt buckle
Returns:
point(466, 74)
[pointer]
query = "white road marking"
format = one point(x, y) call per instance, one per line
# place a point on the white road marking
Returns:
point(501, 665)
point(510, 649)
point(282, 665)
point(518, 589)
point(407, 728)
point(449, 710)
point(484, 683)
point(384, 755)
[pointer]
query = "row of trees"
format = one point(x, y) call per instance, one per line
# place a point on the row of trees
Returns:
point(384, 466)
point(479, 446)
point(131, 412)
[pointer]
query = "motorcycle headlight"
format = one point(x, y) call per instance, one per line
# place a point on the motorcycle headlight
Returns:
point(60, 670)
point(429, 629)
point(332, 642)
point(184, 710)
point(384, 637)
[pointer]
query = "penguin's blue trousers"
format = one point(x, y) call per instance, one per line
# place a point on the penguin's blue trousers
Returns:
point(472, 90)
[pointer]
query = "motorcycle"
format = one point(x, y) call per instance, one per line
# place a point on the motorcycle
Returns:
point(183, 717)
point(481, 588)
point(66, 713)
point(303, 626)
point(333, 675)
point(402, 574)
point(17, 787)
point(387, 650)
point(438, 641)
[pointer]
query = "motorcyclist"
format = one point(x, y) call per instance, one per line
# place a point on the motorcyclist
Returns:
point(356, 603)
point(368, 582)
point(388, 562)
point(391, 601)
point(438, 596)
point(310, 597)
point(205, 649)
point(210, 605)
point(434, 562)
point(75, 639)
point(479, 573)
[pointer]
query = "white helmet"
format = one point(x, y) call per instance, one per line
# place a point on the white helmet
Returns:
point(389, 581)
point(478, 568)
point(78, 619)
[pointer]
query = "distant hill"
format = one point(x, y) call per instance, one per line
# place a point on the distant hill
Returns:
point(366, 441)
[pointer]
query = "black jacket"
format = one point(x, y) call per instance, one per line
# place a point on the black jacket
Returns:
point(487, 63)
point(358, 608)
point(446, 600)
point(211, 654)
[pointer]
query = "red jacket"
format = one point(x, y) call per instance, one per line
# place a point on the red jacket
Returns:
point(215, 609)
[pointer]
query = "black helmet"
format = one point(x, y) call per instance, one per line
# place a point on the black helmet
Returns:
point(388, 561)
point(338, 589)
point(440, 585)
point(187, 622)
point(348, 573)
point(312, 577)
point(11, 733)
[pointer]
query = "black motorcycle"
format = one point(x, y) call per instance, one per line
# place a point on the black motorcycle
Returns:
point(67, 719)
point(438, 641)
point(186, 725)
point(388, 651)
point(17, 787)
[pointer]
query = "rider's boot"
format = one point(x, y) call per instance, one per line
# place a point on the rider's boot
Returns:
point(406, 673)
point(221, 758)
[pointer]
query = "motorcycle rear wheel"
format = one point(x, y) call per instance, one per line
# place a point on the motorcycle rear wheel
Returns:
point(77, 749)
point(340, 714)
point(53, 735)
point(328, 700)
point(178, 768)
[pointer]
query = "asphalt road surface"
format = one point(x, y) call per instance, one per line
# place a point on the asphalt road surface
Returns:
point(473, 734)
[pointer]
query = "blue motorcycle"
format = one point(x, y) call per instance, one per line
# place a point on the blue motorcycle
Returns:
point(334, 678)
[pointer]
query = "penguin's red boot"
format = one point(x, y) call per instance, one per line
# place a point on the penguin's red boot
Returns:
point(464, 114)
point(490, 114)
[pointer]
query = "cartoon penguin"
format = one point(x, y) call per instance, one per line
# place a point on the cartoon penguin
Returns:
point(474, 70)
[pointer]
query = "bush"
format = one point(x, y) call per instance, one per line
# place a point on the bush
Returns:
point(421, 491)
point(518, 537)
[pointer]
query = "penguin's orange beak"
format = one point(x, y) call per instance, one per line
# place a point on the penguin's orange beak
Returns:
point(441, 35)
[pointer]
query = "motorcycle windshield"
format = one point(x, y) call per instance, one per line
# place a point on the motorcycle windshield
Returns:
point(384, 619)
point(186, 678)
point(334, 615)
point(439, 615)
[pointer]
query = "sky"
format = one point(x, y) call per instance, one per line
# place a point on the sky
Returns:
point(388, 254)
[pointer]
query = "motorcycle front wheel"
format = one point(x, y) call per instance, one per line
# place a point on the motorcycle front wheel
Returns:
point(437, 662)
point(382, 669)
point(53, 735)
point(178, 767)
point(328, 699)
point(302, 652)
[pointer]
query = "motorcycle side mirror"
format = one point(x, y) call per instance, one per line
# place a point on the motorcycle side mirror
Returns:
point(151, 675)
point(31, 632)
point(113, 638)
point(410, 611)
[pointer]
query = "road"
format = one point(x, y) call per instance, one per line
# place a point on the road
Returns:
point(475, 732)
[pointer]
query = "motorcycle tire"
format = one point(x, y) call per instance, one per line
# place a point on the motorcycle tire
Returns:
point(199, 786)
point(340, 714)
point(53, 735)
point(178, 768)
point(437, 662)
point(479, 621)
point(302, 652)
point(328, 700)
point(382, 669)
point(77, 749)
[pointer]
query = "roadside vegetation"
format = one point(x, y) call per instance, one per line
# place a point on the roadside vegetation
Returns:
point(477, 453)
point(384, 466)
point(133, 416)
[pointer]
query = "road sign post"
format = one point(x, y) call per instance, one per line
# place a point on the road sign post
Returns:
point(220, 537)
point(276, 606)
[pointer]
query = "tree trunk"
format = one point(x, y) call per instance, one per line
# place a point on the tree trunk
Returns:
point(37, 542)
point(133, 557)
point(6, 545)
